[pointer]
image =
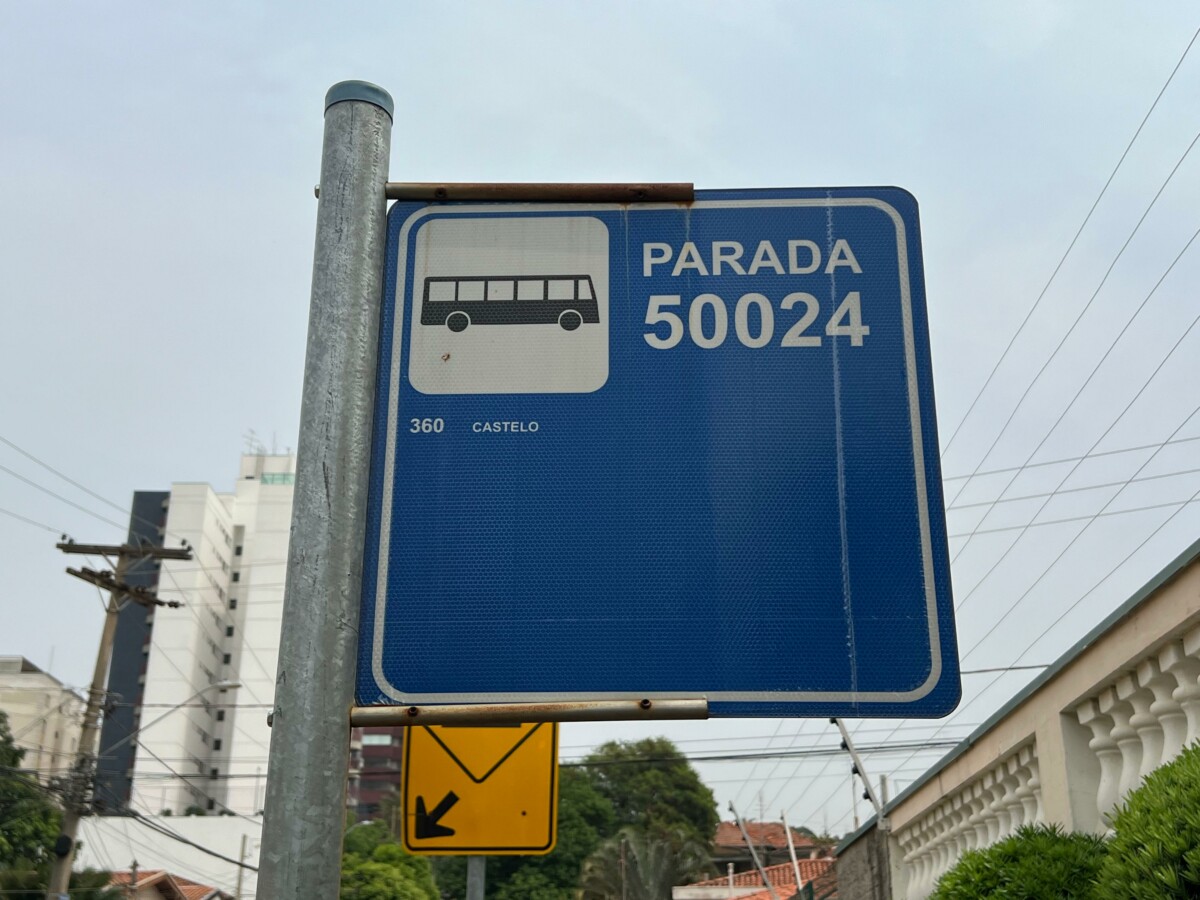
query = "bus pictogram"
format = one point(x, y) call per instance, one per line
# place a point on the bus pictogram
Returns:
point(459, 302)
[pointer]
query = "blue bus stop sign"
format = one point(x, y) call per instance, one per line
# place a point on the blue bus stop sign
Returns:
point(661, 450)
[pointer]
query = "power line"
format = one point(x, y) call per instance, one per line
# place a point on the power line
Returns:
point(57, 496)
point(754, 768)
point(1066, 459)
point(177, 865)
point(133, 517)
point(939, 728)
point(1074, 490)
point(1071, 246)
point(28, 521)
point(807, 752)
point(1128, 406)
point(67, 479)
point(1062, 342)
point(812, 778)
point(1069, 519)
point(1145, 463)
point(1057, 559)
point(1096, 368)
point(186, 779)
point(763, 778)
point(166, 832)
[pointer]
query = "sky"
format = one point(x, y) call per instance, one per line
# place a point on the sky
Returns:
point(157, 164)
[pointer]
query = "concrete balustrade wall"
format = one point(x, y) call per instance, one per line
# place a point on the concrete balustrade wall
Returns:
point(1065, 750)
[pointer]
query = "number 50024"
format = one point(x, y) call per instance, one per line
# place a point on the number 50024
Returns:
point(846, 321)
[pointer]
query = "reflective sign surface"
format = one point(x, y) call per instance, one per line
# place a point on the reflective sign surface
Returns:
point(659, 451)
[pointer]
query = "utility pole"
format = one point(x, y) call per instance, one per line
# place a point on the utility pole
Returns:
point(241, 869)
point(753, 854)
point(77, 788)
point(791, 849)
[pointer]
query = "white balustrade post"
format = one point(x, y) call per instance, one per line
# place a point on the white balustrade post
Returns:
point(979, 809)
point(1025, 790)
point(1164, 708)
point(1128, 741)
point(1038, 813)
point(1012, 802)
point(1102, 744)
point(993, 791)
point(1148, 729)
point(959, 815)
point(1186, 672)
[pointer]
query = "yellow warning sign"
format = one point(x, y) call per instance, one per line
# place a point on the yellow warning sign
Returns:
point(473, 790)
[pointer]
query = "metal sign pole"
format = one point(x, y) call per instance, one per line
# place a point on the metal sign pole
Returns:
point(476, 877)
point(310, 740)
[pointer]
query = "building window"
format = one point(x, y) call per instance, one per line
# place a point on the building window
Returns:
point(228, 631)
point(212, 804)
point(227, 658)
point(212, 776)
point(233, 602)
point(217, 744)
point(377, 740)
point(237, 576)
point(220, 715)
point(237, 551)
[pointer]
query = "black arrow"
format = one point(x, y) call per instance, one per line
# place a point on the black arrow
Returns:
point(427, 822)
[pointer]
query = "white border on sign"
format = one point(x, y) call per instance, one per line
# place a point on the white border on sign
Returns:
point(914, 409)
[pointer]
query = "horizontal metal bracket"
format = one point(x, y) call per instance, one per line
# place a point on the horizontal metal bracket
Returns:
point(517, 713)
point(533, 192)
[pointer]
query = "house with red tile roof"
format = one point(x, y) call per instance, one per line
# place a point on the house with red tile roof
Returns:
point(770, 843)
point(158, 884)
point(819, 874)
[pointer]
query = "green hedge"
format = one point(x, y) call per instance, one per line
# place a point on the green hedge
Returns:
point(1155, 850)
point(1039, 862)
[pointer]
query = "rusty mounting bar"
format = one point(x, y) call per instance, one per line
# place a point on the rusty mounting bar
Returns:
point(518, 713)
point(430, 192)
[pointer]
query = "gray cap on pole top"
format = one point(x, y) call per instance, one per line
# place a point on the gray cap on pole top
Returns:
point(361, 90)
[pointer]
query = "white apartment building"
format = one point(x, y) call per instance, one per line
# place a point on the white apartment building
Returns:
point(44, 716)
point(200, 745)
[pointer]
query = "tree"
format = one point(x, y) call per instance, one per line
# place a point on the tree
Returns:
point(585, 819)
point(31, 884)
point(648, 786)
point(1155, 849)
point(362, 839)
point(29, 826)
point(644, 866)
point(651, 786)
point(28, 820)
point(1039, 862)
point(375, 867)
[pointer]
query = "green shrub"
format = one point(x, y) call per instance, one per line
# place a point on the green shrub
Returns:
point(1155, 850)
point(375, 867)
point(1039, 862)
